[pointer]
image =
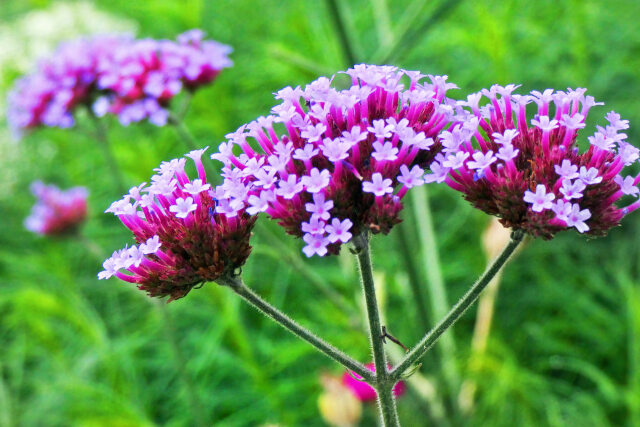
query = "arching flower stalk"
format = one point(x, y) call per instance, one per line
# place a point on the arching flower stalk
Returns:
point(329, 164)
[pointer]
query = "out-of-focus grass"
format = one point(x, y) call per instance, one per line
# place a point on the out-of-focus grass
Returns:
point(565, 348)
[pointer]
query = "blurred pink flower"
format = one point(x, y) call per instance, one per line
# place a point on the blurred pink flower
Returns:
point(57, 212)
point(364, 391)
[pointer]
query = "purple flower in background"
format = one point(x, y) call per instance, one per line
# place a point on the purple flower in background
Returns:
point(346, 157)
point(141, 77)
point(135, 79)
point(57, 212)
point(60, 84)
point(540, 182)
point(184, 236)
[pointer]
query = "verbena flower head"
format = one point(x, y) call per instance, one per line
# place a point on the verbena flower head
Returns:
point(57, 212)
point(142, 77)
point(61, 83)
point(329, 163)
point(363, 391)
point(182, 237)
point(528, 169)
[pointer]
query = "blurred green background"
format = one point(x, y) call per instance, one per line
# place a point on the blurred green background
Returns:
point(565, 344)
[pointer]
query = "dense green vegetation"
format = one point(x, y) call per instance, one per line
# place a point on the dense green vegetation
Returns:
point(565, 344)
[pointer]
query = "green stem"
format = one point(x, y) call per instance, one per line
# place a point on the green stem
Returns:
point(283, 252)
point(435, 282)
point(103, 142)
point(237, 286)
point(384, 383)
point(345, 42)
point(190, 142)
point(183, 133)
point(412, 34)
point(180, 362)
point(458, 310)
point(409, 260)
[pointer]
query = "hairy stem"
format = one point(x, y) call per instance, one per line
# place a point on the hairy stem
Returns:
point(295, 328)
point(458, 310)
point(384, 383)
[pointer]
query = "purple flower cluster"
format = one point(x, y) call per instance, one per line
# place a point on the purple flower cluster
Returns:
point(57, 212)
point(61, 83)
point(329, 164)
point(530, 172)
point(140, 78)
point(183, 239)
point(134, 79)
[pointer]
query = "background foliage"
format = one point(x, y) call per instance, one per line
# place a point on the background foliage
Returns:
point(565, 347)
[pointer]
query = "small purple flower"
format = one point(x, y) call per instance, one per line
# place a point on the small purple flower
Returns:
point(572, 190)
point(289, 187)
point(384, 152)
point(566, 170)
point(507, 152)
point(589, 176)
point(316, 180)
point(627, 185)
point(316, 244)
point(577, 218)
point(544, 124)
point(540, 200)
point(377, 185)
point(183, 207)
point(314, 226)
point(481, 160)
point(339, 230)
point(411, 178)
point(319, 208)
point(506, 137)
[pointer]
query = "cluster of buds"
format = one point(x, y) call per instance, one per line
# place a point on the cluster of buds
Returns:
point(345, 158)
point(183, 240)
point(530, 172)
point(60, 84)
point(57, 212)
point(135, 79)
point(140, 78)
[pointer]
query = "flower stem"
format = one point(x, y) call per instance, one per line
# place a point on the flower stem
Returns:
point(192, 397)
point(190, 142)
point(345, 42)
point(414, 276)
point(435, 282)
point(183, 132)
point(384, 383)
point(103, 142)
point(458, 310)
point(237, 285)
